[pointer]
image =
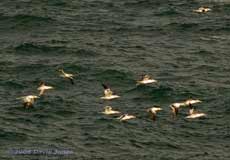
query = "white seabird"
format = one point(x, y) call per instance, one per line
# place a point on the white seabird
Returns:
point(146, 79)
point(153, 112)
point(108, 94)
point(175, 107)
point(67, 75)
point(189, 103)
point(125, 117)
point(108, 110)
point(43, 87)
point(192, 101)
point(202, 10)
point(28, 101)
point(194, 114)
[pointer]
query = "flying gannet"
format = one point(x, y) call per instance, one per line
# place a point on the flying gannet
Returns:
point(108, 94)
point(146, 79)
point(108, 110)
point(153, 112)
point(125, 117)
point(194, 114)
point(67, 75)
point(190, 102)
point(175, 107)
point(202, 10)
point(28, 101)
point(42, 87)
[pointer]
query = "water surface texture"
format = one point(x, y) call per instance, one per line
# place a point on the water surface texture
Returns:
point(115, 42)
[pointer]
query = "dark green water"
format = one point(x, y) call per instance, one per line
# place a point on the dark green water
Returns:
point(115, 42)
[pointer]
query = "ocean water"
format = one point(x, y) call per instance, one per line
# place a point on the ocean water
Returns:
point(114, 42)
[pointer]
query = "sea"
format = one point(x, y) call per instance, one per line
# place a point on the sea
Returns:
point(114, 42)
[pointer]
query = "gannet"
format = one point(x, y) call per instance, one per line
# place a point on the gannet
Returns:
point(175, 107)
point(146, 79)
point(194, 114)
point(125, 117)
point(189, 102)
point(28, 101)
point(153, 112)
point(67, 75)
point(108, 110)
point(43, 87)
point(192, 101)
point(202, 10)
point(108, 94)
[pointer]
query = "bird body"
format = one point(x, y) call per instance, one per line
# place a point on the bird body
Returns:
point(67, 75)
point(108, 94)
point(196, 115)
point(146, 79)
point(175, 107)
point(43, 87)
point(153, 112)
point(28, 101)
point(108, 110)
point(202, 10)
point(110, 97)
point(125, 117)
point(154, 109)
point(192, 101)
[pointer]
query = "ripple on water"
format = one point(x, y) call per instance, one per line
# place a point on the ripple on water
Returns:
point(13, 136)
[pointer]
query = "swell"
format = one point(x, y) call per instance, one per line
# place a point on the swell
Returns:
point(202, 27)
point(115, 77)
point(12, 136)
point(28, 48)
point(168, 12)
point(181, 26)
point(24, 21)
point(12, 85)
point(142, 3)
point(50, 50)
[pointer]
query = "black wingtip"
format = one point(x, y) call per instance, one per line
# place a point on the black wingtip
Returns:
point(176, 111)
point(41, 83)
point(104, 86)
point(153, 118)
point(72, 82)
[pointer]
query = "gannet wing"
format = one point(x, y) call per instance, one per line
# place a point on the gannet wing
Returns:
point(105, 86)
point(71, 80)
point(153, 116)
point(41, 92)
point(71, 75)
point(121, 117)
point(174, 110)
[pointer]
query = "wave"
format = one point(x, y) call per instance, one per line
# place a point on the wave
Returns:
point(32, 47)
point(168, 12)
point(12, 136)
point(12, 84)
point(114, 76)
point(25, 18)
point(53, 49)
point(142, 3)
point(216, 29)
point(181, 26)
point(25, 21)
